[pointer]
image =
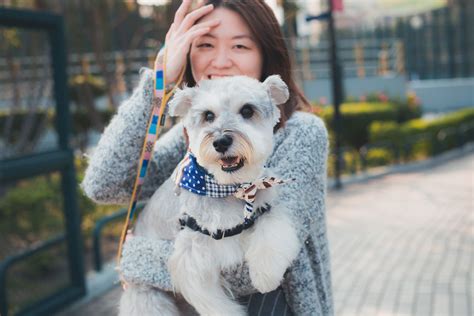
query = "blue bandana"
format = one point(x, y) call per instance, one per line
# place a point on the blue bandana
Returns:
point(194, 178)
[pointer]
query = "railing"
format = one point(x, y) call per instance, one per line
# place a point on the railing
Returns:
point(360, 58)
point(97, 233)
point(61, 159)
point(11, 260)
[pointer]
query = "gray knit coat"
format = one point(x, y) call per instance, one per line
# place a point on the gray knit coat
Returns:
point(300, 152)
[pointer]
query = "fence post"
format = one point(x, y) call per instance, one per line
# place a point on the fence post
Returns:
point(359, 57)
point(85, 65)
point(449, 35)
point(306, 63)
point(383, 60)
point(121, 85)
point(463, 29)
point(400, 57)
point(436, 43)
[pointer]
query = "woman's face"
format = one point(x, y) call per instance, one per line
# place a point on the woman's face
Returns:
point(228, 49)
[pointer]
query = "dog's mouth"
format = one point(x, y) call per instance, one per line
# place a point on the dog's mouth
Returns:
point(231, 163)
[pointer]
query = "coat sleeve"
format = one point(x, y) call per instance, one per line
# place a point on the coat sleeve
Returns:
point(113, 165)
point(302, 155)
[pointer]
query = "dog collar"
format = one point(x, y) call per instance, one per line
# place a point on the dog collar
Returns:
point(194, 178)
point(191, 223)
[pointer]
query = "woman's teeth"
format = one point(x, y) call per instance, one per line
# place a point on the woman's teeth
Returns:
point(215, 76)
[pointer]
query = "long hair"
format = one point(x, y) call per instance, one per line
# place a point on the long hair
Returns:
point(276, 60)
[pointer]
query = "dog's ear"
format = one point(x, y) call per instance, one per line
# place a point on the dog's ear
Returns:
point(181, 102)
point(277, 89)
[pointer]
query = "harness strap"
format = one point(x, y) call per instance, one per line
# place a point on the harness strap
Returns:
point(191, 223)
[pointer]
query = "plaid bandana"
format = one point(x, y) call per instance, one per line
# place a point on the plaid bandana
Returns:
point(194, 178)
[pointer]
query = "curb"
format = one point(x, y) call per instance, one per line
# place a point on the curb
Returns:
point(97, 284)
point(380, 172)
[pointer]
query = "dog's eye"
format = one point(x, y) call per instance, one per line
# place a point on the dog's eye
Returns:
point(246, 111)
point(209, 116)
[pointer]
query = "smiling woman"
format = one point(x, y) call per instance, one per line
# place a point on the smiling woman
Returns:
point(223, 38)
point(229, 49)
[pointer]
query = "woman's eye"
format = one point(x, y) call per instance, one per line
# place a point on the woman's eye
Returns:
point(241, 46)
point(209, 116)
point(205, 45)
point(246, 111)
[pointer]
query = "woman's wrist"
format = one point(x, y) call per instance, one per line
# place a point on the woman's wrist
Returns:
point(159, 64)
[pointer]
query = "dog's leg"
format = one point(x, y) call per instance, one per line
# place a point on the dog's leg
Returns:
point(271, 248)
point(195, 274)
point(145, 301)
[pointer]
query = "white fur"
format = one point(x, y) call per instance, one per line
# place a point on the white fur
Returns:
point(268, 247)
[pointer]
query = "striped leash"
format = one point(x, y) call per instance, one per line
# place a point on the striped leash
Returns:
point(155, 124)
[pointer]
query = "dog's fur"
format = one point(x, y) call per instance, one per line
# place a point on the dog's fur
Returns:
point(268, 247)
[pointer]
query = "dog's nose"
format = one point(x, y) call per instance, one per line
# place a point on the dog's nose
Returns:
point(222, 144)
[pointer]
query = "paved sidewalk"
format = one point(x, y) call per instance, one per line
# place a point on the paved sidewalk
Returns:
point(403, 244)
point(400, 245)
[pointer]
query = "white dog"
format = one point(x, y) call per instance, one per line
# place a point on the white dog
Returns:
point(224, 210)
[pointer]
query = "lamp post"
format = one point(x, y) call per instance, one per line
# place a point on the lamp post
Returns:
point(336, 94)
point(336, 78)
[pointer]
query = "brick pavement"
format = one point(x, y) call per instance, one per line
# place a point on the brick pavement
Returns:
point(403, 244)
point(400, 245)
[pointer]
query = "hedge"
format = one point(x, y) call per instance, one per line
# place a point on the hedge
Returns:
point(426, 137)
point(356, 119)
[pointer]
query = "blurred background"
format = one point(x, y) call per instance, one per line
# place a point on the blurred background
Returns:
point(408, 95)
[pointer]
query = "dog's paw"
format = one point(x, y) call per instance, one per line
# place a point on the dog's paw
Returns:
point(266, 279)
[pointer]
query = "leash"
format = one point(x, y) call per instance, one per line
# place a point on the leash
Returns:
point(155, 124)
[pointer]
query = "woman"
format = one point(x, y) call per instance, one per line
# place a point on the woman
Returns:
point(225, 38)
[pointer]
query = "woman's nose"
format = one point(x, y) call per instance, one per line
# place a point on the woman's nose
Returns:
point(221, 59)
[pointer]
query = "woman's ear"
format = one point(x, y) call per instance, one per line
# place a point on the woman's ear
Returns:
point(181, 102)
point(277, 89)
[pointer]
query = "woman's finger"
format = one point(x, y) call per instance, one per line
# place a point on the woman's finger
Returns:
point(192, 17)
point(182, 11)
point(170, 32)
point(191, 35)
point(208, 24)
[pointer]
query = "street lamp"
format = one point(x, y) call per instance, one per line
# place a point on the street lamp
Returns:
point(336, 84)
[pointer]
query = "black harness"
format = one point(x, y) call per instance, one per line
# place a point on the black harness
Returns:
point(190, 222)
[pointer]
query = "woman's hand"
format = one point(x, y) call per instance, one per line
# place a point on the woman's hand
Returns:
point(181, 34)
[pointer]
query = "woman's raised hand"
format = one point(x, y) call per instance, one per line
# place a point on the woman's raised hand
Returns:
point(181, 34)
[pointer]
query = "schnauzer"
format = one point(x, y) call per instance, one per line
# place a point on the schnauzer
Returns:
point(224, 209)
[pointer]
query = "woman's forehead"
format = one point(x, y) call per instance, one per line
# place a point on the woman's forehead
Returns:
point(232, 24)
point(215, 35)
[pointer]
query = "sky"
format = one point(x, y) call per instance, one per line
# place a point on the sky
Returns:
point(357, 9)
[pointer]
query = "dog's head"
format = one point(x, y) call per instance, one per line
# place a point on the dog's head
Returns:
point(230, 123)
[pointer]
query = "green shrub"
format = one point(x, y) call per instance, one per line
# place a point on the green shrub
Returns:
point(378, 157)
point(79, 83)
point(422, 137)
point(356, 120)
point(32, 209)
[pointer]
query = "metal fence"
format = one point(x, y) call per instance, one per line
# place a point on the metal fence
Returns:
point(437, 43)
point(67, 244)
point(358, 57)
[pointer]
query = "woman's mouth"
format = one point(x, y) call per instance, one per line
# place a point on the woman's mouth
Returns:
point(231, 163)
point(210, 77)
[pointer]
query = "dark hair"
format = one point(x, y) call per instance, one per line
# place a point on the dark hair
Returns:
point(276, 60)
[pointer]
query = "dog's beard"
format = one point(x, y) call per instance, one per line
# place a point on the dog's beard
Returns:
point(237, 164)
